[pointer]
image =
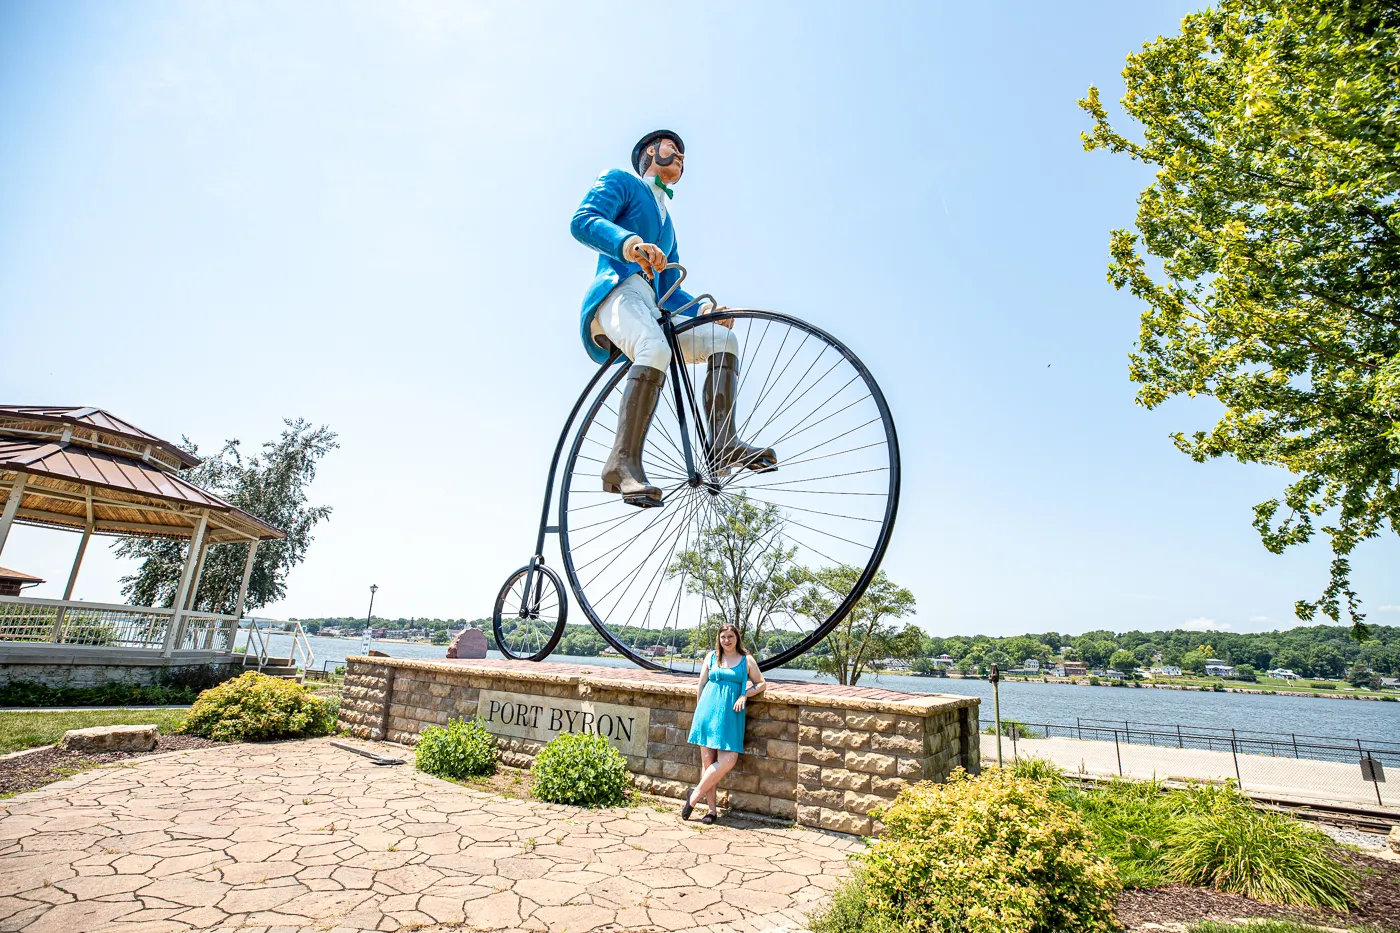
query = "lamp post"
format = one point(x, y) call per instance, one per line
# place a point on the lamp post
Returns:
point(369, 617)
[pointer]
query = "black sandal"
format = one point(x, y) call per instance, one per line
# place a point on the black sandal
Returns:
point(687, 809)
point(708, 819)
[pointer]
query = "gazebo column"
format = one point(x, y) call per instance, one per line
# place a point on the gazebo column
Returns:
point(7, 518)
point(177, 619)
point(243, 592)
point(72, 579)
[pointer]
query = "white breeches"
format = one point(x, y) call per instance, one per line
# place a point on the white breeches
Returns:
point(630, 319)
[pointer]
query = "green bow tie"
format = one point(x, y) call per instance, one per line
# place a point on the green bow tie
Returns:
point(656, 180)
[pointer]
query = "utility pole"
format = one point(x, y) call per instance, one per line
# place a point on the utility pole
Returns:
point(369, 617)
point(996, 709)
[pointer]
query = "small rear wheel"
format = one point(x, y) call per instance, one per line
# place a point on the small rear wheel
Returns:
point(528, 620)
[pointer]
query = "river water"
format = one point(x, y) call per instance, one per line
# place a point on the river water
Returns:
point(1034, 702)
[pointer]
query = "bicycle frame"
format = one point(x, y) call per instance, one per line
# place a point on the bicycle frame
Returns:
point(679, 377)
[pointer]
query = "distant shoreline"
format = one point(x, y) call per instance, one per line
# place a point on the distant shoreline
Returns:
point(1189, 688)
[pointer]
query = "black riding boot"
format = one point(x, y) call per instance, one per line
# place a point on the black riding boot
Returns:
point(623, 472)
point(721, 386)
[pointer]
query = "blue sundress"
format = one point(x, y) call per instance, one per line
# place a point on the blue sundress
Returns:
point(715, 724)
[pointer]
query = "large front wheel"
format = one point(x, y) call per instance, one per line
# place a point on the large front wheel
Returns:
point(785, 555)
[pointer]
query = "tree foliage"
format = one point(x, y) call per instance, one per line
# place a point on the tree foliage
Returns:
point(272, 486)
point(742, 564)
point(1274, 129)
point(865, 636)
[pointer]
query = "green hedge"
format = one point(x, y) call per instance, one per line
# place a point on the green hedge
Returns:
point(463, 749)
point(583, 770)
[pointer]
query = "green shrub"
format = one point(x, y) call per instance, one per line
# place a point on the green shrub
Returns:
point(583, 770)
point(990, 854)
point(1010, 727)
point(463, 749)
point(29, 693)
point(1038, 769)
point(849, 911)
point(1130, 821)
point(1223, 841)
point(256, 707)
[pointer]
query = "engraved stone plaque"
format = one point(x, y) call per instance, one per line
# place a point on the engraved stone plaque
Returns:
point(526, 716)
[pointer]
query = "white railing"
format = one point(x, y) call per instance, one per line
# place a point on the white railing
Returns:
point(257, 647)
point(109, 625)
point(301, 645)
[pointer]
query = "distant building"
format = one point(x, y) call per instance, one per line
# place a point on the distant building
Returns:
point(656, 651)
point(1282, 673)
point(1390, 681)
point(943, 661)
point(1071, 669)
point(1111, 674)
point(1031, 664)
point(1215, 667)
point(12, 581)
point(1166, 670)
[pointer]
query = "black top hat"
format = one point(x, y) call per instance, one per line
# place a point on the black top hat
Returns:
point(650, 138)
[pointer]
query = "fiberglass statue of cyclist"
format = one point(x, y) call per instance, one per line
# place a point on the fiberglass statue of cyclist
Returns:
point(624, 217)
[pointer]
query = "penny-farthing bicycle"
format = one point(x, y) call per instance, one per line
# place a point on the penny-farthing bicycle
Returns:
point(783, 553)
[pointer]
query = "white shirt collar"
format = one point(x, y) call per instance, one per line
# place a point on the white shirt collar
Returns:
point(656, 193)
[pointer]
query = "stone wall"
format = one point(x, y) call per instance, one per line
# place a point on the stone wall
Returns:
point(78, 674)
point(820, 755)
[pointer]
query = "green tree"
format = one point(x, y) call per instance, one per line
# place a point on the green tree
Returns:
point(1194, 661)
point(1275, 218)
point(270, 485)
point(867, 634)
point(741, 565)
point(1123, 661)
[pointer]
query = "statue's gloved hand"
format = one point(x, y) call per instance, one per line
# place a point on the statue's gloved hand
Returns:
point(649, 256)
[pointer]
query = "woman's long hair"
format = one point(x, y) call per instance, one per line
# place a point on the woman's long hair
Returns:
point(738, 641)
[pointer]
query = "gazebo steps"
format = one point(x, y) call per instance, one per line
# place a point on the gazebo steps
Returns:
point(275, 667)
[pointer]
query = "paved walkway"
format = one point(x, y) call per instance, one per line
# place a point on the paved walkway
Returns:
point(303, 836)
point(1300, 778)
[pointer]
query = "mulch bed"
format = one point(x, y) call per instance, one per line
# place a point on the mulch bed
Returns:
point(1378, 903)
point(26, 772)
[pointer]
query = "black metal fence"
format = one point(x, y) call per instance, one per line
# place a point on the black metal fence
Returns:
point(1272, 760)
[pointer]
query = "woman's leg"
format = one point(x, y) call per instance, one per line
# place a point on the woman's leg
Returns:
point(707, 760)
point(715, 773)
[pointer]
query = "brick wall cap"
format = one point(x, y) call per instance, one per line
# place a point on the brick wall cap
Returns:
point(636, 680)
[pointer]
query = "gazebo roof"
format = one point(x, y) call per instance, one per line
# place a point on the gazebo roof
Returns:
point(90, 470)
point(92, 427)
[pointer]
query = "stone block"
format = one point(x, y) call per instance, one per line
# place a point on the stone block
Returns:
point(783, 712)
point(871, 763)
point(777, 748)
point(809, 775)
point(910, 768)
point(754, 803)
point(815, 716)
point(747, 783)
point(887, 787)
point(897, 745)
point(835, 799)
point(771, 729)
point(870, 722)
point(778, 787)
point(810, 755)
point(845, 738)
point(676, 771)
point(842, 822)
point(678, 789)
point(775, 767)
point(909, 725)
point(809, 735)
point(809, 815)
point(656, 733)
point(863, 803)
point(842, 779)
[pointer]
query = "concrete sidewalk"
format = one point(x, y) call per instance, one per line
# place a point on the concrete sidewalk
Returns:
point(1301, 778)
point(302, 836)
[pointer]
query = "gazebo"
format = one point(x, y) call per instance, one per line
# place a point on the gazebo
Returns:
point(88, 471)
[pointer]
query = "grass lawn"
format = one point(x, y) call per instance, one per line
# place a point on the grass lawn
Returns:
point(19, 730)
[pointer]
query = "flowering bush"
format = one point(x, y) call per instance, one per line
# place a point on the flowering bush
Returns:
point(256, 707)
point(988, 854)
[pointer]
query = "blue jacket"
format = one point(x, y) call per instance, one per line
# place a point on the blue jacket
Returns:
point(617, 206)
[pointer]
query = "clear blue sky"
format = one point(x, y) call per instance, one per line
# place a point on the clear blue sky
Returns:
point(216, 215)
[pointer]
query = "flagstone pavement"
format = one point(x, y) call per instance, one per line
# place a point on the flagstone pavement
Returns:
point(304, 836)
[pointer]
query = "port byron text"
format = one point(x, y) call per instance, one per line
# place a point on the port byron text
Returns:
point(526, 716)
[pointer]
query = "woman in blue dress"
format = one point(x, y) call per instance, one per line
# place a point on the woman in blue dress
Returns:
point(718, 724)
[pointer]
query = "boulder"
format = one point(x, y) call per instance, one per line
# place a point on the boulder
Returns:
point(111, 739)
point(469, 643)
